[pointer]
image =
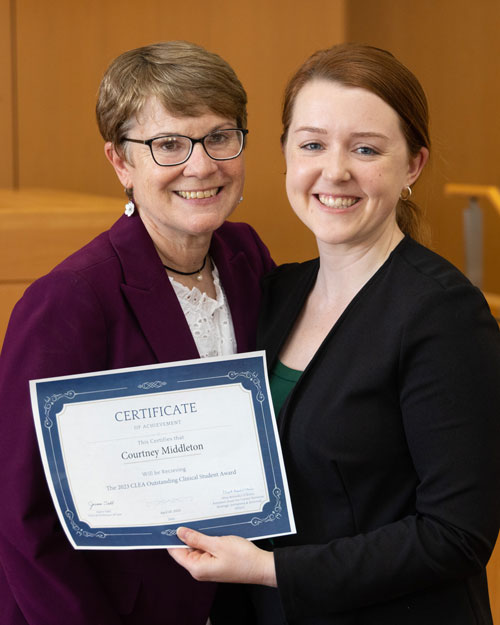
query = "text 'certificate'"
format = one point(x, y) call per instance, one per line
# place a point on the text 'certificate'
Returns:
point(132, 454)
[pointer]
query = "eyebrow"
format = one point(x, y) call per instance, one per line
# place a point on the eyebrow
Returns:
point(323, 131)
point(378, 135)
point(311, 129)
point(221, 126)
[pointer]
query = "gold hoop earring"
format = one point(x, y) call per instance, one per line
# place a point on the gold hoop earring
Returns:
point(405, 194)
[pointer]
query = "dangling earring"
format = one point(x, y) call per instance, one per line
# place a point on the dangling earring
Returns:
point(241, 199)
point(129, 206)
point(405, 193)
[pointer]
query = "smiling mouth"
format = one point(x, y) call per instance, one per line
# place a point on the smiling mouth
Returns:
point(337, 202)
point(198, 195)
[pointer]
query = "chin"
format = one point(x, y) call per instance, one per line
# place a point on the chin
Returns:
point(204, 226)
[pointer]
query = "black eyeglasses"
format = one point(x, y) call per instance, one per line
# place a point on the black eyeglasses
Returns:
point(220, 145)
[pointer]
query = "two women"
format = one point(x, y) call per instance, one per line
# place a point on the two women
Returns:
point(171, 280)
point(385, 372)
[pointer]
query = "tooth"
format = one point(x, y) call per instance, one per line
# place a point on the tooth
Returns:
point(197, 195)
point(338, 202)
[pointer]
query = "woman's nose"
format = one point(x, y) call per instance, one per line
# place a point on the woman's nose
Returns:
point(199, 163)
point(336, 167)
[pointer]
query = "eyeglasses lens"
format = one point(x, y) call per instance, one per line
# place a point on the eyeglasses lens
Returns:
point(219, 145)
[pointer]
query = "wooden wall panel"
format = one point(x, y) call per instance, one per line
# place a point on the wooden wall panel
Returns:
point(64, 47)
point(6, 112)
point(453, 48)
point(494, 584)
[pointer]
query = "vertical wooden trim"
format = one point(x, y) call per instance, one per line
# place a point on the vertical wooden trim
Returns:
point(14, 95)
point(6, 177)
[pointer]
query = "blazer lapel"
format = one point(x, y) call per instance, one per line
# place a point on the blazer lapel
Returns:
point(242, 302)
point(284, 298)
point(149, 292)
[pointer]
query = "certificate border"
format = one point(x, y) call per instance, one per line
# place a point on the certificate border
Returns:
point(50, 395)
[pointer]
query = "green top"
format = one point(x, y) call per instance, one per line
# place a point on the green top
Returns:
point(282, 380)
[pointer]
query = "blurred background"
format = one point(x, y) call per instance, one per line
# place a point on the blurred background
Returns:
point(54, 53)
point(57, 190)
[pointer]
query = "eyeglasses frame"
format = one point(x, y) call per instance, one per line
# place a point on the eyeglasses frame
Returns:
point(149, 142)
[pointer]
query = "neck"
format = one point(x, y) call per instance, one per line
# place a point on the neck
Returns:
point(188, 273)
point(179, 251)
point(345, 269)
point(202, 280)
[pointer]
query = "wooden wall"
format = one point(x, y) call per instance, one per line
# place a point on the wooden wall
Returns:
point(59, 51)
point(62, 49)
point(7, 123)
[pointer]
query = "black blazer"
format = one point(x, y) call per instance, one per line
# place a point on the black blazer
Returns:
point(391, 441)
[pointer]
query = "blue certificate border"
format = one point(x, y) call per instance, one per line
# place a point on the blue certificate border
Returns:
point(275, 518)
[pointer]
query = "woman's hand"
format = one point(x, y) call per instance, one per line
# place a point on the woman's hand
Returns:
point(224, 559)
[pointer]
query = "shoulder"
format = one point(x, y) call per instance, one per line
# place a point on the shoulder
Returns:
point(293, 271)
point(233, 234)
point(289, 276)
point(95, 266)
point(415, 275)
point(58, 327)
point(76, 284)
point(63, 294)
point(96, 252)
point(234, 238)
point(431, 295)
point(63, 316)
point(424, 266)
point(284, 291)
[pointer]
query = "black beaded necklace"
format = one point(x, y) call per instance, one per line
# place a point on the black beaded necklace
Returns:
point(189, 273)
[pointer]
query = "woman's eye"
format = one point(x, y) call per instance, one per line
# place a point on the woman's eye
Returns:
point(217, 138)
point(312, 146)
point(168, 144)
point(366, 151)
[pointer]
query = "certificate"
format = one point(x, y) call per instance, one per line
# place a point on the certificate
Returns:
point(132, 454)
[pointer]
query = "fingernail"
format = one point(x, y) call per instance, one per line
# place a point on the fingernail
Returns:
point(182, 532)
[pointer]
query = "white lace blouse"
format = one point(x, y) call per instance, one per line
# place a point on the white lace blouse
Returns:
point(209, 319)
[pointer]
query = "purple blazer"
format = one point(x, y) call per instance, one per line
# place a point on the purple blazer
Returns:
point(107, 306)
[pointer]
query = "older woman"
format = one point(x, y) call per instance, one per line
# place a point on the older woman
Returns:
point(385, 368)
point(170, 280)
